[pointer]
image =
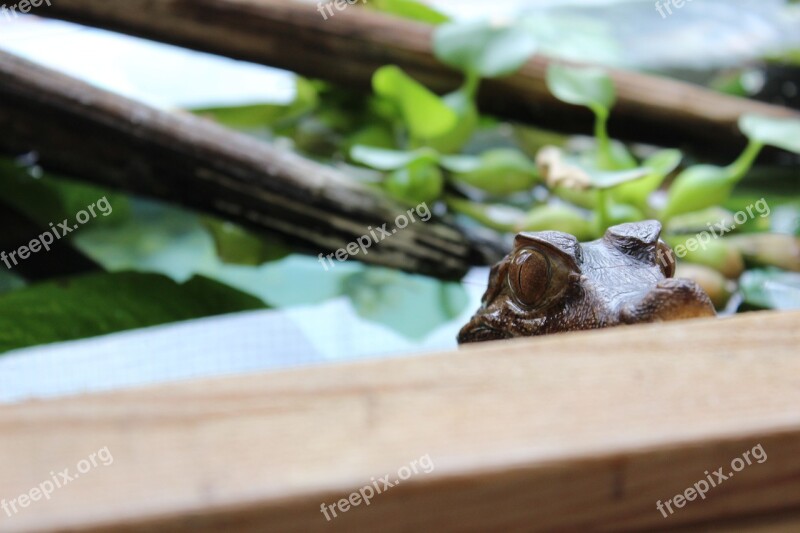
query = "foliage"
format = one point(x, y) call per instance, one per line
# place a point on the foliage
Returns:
point(704, 186)
point(592, 88)
point(771, 289)
point(410, 9)
point(481, 48)
point(426, 116)
point(104, 303)
point(416, 145)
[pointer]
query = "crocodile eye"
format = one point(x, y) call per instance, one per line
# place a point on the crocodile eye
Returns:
point(665, 259)
point(529, 276)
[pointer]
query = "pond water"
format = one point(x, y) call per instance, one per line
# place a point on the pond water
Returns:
point(353, 311)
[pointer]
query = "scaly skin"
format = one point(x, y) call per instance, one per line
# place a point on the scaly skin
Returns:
point(551, 283)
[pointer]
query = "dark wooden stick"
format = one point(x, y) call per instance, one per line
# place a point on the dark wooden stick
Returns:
point(88, 133)
point(349, 46)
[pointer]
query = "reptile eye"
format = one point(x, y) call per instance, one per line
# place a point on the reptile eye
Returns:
point(529, 276)
point(665, 259)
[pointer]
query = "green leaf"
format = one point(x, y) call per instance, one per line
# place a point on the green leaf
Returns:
point(609, 154)
point(236, 245)
point(306, 99)
point(499, 217)
point(98, 304)
point(382, 295)
point(383, 159)
point(661, 164)
point(703, 186)
point(374, 135)
point(532, 139)
point(49, 198)
point(464, 106)
point(771, 289)
point(575, 34)
point(245, 117)
point(622, 213)
point(601, 179)
point(419, 182)
point(409, 9)
point(483, 48)
point(731, 82)
point(718, 254)
point(425, 114)
point(699, 221)
point(779, 132)
point(461, 164)
point(591, 87)
point(500, 172)
point(696, 188)
point(587, 86)
point(558, 218)
point(586, 199)
point(561, 170)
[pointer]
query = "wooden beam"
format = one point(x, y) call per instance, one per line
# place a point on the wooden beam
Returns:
point(567, 432)
point(348, 47)
point(79, 130)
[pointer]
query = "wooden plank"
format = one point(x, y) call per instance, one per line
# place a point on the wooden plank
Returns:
point(568, 432)
point(348, 47)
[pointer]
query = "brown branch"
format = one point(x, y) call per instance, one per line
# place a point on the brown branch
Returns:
point(82, 131)
point(348, 47)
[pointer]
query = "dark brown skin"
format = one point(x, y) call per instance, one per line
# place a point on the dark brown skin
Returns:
point(550, 283)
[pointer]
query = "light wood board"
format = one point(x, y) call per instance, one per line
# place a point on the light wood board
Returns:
point(584, 431)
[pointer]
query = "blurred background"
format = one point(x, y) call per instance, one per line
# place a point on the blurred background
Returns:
point(281, 308)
